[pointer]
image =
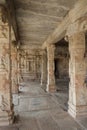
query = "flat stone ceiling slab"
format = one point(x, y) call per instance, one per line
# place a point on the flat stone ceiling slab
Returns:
point(38, 18)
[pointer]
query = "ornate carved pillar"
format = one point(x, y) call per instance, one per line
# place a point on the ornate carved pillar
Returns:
point(44, 68)
point(14, 69)
point(50, 67)
point(20, 65)
point(77, 70)
point(6, 108)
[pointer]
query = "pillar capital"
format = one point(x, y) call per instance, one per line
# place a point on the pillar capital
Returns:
point(78, 26)
point(51, 46)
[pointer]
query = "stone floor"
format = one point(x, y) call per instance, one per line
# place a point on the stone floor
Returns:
point(62, 86)
point(37, 110)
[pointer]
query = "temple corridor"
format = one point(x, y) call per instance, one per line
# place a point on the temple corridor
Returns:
point(43, 64)
point(38, 110)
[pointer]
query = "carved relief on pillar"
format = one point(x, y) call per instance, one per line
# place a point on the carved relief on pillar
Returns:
point(19, 75)
point(77, 69)
point(6, 107)
point(20, 65)
point(14, 69)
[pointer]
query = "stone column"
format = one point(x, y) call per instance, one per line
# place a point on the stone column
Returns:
point(37, 74)
point(18, 66)
point(20, 60)
point(50, 68)
point(77, 73)
point(6, 108)
point(44, 68)
point(14, 70)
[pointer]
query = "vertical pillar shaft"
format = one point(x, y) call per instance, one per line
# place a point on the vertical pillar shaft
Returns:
point(6, 107)
point(14, 70)
point(77, 73)
point(50, 67)
point(44, 68)
point(20, 66)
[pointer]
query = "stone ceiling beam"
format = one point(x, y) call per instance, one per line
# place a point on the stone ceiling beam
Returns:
point(58, 33)
point(79, 10)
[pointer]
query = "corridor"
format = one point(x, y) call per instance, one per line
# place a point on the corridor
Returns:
point(43, 65)
point(37, 110)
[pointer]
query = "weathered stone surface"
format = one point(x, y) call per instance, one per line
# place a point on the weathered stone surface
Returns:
point(14, 69)
point(33, 18)
point(30, 63)
point(41, 116)
point(77, 12)
point(77, 72)
point(6, 107)
point(50, 67)
point(36, 19)
point(44, 68)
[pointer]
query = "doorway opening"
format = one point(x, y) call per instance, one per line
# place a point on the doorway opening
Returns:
point(62, 72)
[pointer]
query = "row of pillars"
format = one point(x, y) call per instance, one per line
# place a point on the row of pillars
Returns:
point(9, 77)
point(77, 104)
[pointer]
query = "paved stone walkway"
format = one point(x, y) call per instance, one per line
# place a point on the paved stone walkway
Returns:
point(38, 110)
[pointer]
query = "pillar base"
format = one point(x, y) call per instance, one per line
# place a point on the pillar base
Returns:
point(43, 86)
point(43, 83)
point(77, 111)
point(51, 88)
point(6, 118)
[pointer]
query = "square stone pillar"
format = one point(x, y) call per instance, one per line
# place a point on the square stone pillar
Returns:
point(20, 59)
point(19, 64)
point(50, 68)
point(14, 77)
point(44, 68)
point(77, 73)
point(6, 107)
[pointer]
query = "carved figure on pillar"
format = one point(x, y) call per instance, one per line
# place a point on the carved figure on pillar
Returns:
point(6, 107)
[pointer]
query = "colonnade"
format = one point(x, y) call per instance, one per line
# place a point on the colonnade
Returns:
point(10, 69)
point(76, 36)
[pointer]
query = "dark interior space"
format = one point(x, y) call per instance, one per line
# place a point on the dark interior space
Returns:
point(62, 72)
